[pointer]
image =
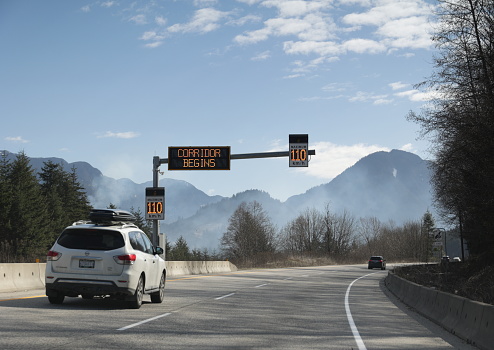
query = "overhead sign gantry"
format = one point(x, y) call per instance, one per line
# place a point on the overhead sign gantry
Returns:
point(213, 158)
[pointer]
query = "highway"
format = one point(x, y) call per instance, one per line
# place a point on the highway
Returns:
point(330, 307)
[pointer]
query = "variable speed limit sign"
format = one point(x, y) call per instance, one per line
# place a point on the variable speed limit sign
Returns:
point(299, 150)
point(155, 203)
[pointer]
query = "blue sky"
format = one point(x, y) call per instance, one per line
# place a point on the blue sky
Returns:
point(114, 83)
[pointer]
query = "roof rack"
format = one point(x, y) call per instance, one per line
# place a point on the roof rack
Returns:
point(111, 217)
point(81, 222)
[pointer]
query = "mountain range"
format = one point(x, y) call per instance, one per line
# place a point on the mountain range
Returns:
point(391, 185)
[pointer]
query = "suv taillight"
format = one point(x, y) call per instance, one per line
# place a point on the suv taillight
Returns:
point(127, 259)
point(53, 255)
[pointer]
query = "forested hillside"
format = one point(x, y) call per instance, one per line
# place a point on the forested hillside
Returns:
point(34, 208)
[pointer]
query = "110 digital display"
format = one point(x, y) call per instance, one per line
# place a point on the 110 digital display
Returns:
point(299, 147)
point(155, 203)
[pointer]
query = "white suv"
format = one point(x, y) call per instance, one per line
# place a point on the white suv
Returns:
point(109, 256)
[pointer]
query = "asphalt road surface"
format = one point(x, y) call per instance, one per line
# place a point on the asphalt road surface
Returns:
point(330, 307)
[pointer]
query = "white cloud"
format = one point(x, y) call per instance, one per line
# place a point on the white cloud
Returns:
point(201, 3)
point(408, 148)
point(412, 32)
point(417, 95)
point(108, 3)
point(398, 85)
point(160, 20)
point(262, 56)
point(252, 37)
point(364, 46)
point(204, 20)
point(356, 2)
point(151, 35)
point(249, 2)
point(331, 159)
point(244, 20)
point(362, 96)
point(294, 8)
point(86, 8)
point(139, 19)
point(382, 101)
point(293, 76)
point(154, 44)
point(17, 139)
point(120, 135)
point(312, 27)
point(323, 48)
point(387, 10)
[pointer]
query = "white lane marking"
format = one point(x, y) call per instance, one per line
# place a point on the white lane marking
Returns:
point(142, 322)
point(288, 278)
point(224, 296)
point(261, 285)
point(355, 332)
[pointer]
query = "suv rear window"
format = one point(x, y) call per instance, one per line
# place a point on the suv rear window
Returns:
point(88, 239)
point(375, 258)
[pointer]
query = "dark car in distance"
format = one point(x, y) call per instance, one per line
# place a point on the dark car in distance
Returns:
point(377, 262)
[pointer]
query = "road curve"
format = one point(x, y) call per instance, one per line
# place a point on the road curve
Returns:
point(329, 307)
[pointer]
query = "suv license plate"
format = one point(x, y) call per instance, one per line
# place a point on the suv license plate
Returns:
point(87, 264)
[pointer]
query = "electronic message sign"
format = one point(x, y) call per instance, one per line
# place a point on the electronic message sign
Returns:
point(199, 158)
point(155, 203)
point(299, 150)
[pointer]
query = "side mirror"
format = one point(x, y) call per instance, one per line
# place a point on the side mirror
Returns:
point(158, 250)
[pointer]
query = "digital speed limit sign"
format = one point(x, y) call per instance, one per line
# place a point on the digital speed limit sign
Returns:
point(299, 150)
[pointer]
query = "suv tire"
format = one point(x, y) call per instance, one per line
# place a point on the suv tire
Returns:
point(56, 299)
point(160, 295)
point(136, 299)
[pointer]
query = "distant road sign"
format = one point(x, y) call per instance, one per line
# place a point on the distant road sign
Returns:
point(155, 203)
point(299, 150)
point(199, 158)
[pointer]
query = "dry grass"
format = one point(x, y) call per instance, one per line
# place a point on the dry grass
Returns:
point(473, 280)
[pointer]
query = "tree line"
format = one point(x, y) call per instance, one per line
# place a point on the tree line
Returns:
point(35, 208)
point(251, 239)
point(459, 120)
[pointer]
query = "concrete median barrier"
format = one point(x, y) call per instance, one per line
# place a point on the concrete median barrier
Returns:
point(484, 335)
point(180, 268)
point(18, 277)
point(7, 278)
point(470, 320)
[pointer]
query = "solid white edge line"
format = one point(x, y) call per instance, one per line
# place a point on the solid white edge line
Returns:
point(224, 296)
point(355, 332)
point(142, 322)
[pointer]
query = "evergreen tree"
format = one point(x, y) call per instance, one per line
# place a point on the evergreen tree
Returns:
point(145, 225)
point(427, 231)
point(76, 198)
point(52, 189)
point(180, 251)
point(64, 196)
point(29, 217)
point(5, 198)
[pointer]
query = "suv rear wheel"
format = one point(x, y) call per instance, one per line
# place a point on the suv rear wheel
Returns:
point(160, 295)
point(136, 301)
point(56, 298)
